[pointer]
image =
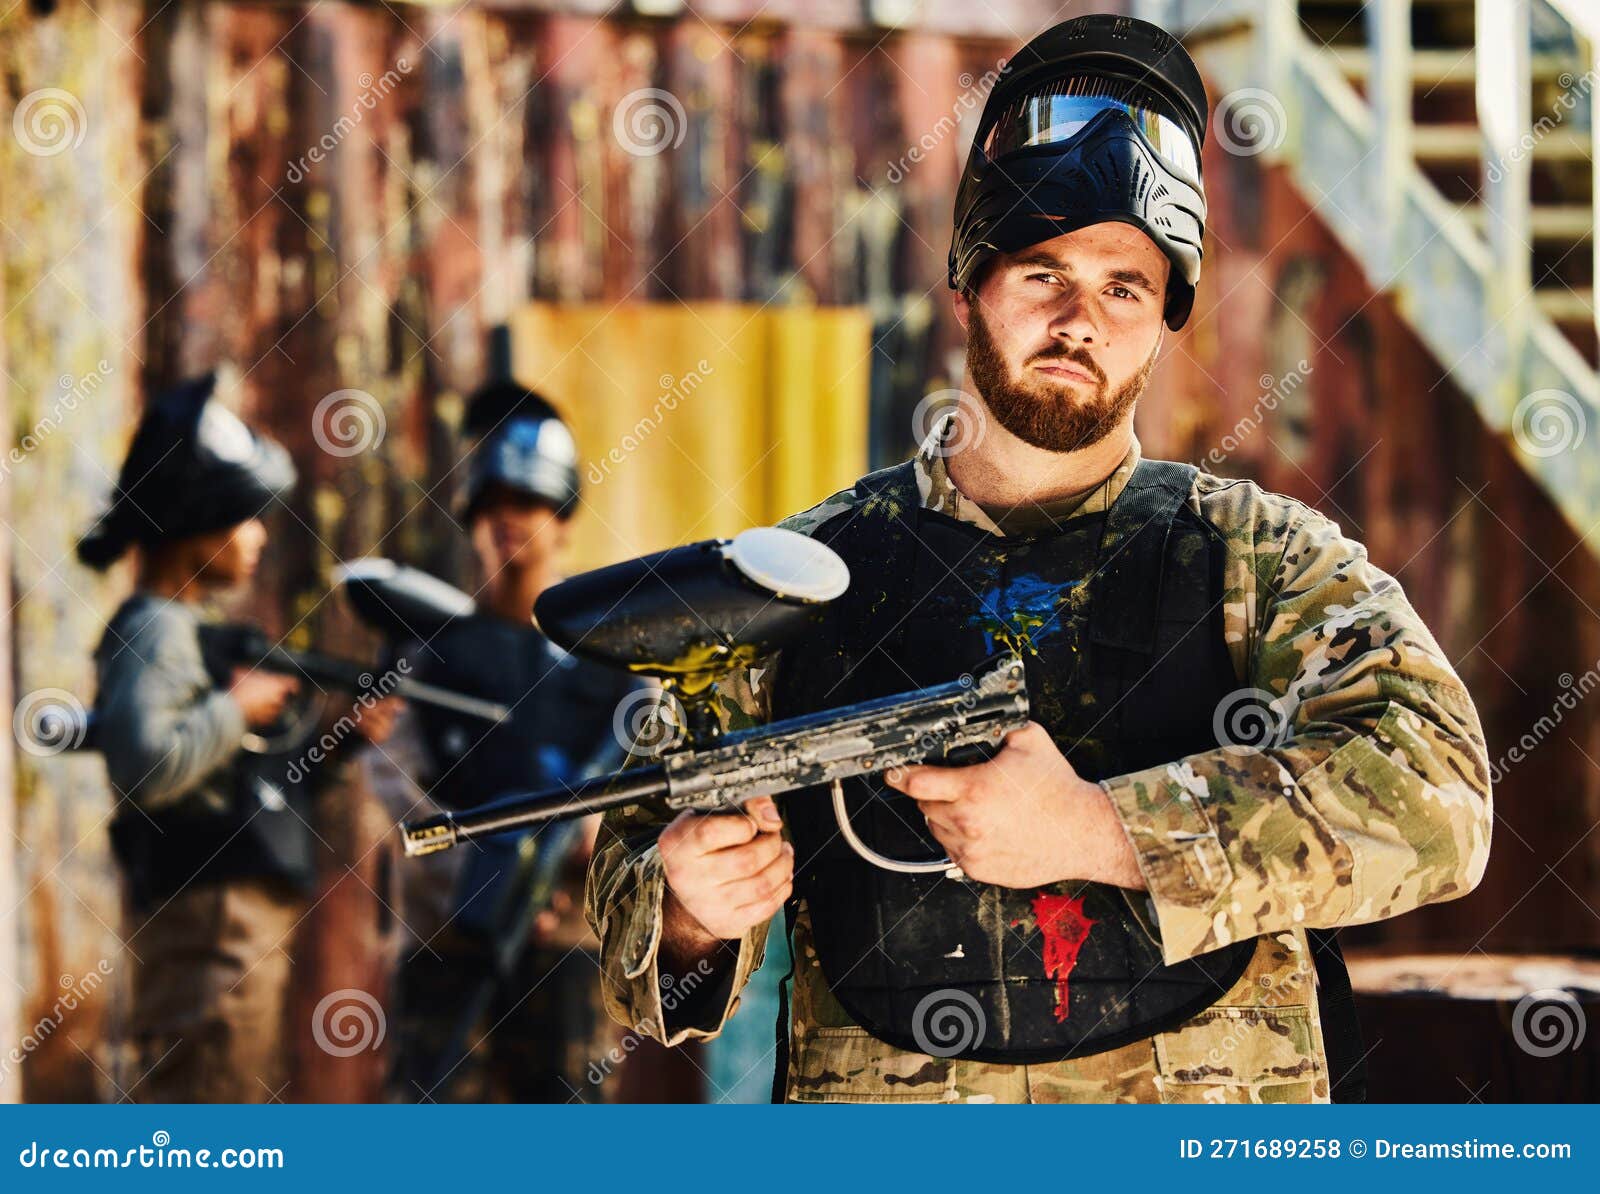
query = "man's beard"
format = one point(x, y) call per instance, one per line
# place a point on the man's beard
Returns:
point(1045, 414)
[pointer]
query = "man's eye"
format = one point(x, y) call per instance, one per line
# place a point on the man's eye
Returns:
point(1043, 278)
point(1121, 291)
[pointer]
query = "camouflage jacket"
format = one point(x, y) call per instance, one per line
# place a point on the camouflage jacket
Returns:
point(1375, 801)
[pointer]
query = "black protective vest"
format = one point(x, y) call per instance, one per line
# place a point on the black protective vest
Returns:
point(1119, 622)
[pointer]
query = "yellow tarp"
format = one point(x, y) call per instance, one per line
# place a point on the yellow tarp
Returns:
point(698, 420)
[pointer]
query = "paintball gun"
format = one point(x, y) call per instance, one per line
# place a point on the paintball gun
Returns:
point(401, 603)
point(692, 614)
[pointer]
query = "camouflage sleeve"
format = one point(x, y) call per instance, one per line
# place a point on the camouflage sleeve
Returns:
point(1357, 787)
point(623, 899)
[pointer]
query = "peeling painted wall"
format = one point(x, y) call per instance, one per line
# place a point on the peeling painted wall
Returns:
point(340, 197)
point(470, 161)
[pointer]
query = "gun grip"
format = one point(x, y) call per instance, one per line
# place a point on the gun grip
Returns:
point(969, 754)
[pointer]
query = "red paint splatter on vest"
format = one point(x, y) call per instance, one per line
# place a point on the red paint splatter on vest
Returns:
point(1065, 928)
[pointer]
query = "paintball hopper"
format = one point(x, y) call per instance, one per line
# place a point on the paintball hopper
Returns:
point(399, 602)
point(692, 613)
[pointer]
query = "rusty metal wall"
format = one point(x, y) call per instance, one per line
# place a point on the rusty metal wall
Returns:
point(343, 196)
point(339, 196)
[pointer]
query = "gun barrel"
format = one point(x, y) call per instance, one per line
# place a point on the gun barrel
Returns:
point(351, 676)
point(538, 808)
point(445, 698)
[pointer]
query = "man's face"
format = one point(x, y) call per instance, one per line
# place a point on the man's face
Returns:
point(226, 558)
point(1062, 335)
point(513, 530)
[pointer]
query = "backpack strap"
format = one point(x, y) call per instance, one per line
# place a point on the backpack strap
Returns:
point(1341, 1028)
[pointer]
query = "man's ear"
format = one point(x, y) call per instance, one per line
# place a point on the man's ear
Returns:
point(963, 308)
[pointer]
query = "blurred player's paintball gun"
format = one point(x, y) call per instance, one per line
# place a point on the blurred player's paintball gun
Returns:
point(400, 603)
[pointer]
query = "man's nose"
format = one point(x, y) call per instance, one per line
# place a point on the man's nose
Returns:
point(1072, 318)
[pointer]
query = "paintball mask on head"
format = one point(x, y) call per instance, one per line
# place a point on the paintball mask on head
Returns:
point(193, 467)
point(525, 447)
point(1099, 118)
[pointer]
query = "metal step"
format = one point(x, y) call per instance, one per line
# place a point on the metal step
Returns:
point(1564, 305)
point(1438, 143)
point(1439, 67)
point(1564, 222)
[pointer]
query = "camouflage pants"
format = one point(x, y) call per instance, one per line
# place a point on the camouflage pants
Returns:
point(210, 990)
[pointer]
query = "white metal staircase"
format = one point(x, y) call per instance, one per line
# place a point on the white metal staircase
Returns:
point(1450, 145)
